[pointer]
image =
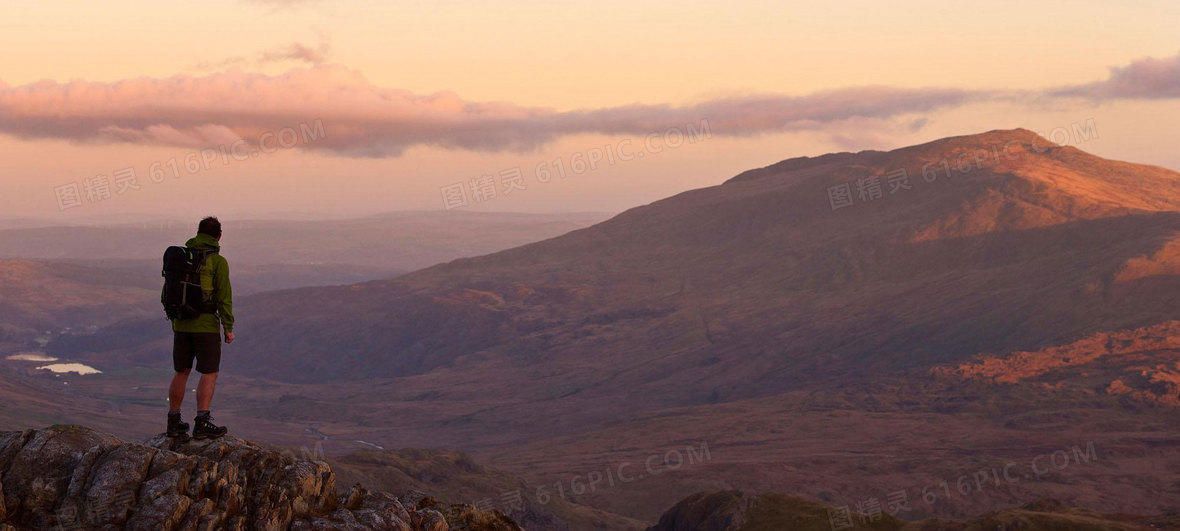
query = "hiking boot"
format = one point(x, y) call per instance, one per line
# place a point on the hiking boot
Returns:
point(177, 428)
point(205, 429)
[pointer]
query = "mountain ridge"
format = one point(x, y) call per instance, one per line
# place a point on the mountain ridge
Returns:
point(677, 256)
point(671, 234)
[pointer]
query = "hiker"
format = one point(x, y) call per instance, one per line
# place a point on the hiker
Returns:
point(199, 302)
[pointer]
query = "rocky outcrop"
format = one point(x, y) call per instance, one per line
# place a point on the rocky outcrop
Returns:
point(706, 511)
point(70, 477)
point(734, 510)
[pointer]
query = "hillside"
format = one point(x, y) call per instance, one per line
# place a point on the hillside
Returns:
point(738, 511)
point(454, 476)
point(40, 297)
point(1140, 365)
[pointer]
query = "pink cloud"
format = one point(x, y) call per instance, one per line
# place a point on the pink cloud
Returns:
point(198, 136)
point(296, 51)
point(1147, 78)
point(362, 119)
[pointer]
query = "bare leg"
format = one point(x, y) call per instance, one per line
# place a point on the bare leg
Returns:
point(176, 391)
point(205, 391)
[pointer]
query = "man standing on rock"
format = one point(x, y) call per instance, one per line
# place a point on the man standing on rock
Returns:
point(198, 338)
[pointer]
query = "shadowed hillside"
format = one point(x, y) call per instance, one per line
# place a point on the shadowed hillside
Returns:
point(738, 511)
point(41, 297)
point(454, 476)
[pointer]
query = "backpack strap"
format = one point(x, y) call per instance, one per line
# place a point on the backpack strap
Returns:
point(203, 254)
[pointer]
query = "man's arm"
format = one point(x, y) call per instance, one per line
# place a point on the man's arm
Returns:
point(225, 301)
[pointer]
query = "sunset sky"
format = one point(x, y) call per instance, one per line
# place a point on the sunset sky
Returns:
point(414, 98)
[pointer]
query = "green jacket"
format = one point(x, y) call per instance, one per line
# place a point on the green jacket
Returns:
point(215, 285)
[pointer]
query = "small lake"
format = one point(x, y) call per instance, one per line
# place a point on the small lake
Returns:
point(31, 356)
point(62, 368)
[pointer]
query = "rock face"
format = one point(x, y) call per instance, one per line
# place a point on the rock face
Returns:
point(706, 511)
point(70, 477)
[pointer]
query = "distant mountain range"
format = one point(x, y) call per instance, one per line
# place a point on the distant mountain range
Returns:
point(397, 241)
point(90, 276)
point(750, 286)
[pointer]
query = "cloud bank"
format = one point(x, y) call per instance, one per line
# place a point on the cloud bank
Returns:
point(361, 119)
point(1147, 78)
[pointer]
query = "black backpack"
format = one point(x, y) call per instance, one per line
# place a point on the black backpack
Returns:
point(183, 298)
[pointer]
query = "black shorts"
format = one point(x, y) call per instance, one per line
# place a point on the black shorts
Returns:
point(205, 347)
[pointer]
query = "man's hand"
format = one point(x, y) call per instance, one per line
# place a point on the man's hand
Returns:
point(229, 337)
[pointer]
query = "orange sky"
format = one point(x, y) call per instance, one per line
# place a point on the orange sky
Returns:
point(415, 97)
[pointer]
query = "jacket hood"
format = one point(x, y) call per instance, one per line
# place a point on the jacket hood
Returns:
point(203, 241)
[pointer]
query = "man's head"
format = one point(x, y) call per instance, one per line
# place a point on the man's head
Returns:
point(210, 226)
